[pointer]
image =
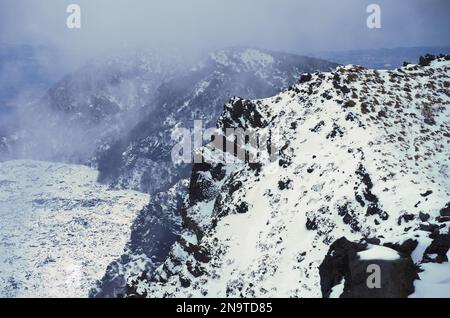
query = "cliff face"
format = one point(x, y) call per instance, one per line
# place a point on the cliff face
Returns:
point(361, 179)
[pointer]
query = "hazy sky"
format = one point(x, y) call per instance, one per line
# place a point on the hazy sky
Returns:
point(283, 25)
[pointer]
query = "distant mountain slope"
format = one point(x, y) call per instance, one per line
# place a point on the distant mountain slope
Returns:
point(382, 58)
point(90, 107)
point(362, 179)
point(59, 229)
point(142, 159)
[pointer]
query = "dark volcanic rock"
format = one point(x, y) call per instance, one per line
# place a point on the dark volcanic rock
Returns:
point(445, 211)
point(343, 263)
point(440, 247)
point(428, 58)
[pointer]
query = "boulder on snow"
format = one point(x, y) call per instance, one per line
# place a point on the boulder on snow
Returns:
point(356, 264)
point(445, 211)
point(437, 251)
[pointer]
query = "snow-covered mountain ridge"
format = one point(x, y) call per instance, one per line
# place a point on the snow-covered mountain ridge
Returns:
point(362, 177)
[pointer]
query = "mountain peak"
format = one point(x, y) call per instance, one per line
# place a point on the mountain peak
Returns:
point(247, 57)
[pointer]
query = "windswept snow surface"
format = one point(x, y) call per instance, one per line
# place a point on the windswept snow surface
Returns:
point(59, 229)
point(434, 281)
point(379, 253)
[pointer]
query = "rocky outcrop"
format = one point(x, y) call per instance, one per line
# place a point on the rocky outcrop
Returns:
point(437, 251)
point(343, 266)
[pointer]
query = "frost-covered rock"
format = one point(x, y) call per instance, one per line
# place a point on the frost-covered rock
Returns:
point(346, 268)
point(59, 228)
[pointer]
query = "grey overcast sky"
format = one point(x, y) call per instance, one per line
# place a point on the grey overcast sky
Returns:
point(282, 25)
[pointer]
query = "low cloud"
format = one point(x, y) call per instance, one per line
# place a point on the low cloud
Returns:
point(284, 25)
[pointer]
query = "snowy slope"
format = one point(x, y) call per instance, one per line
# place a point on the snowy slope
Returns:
point(59, 229)
point(364, 155)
